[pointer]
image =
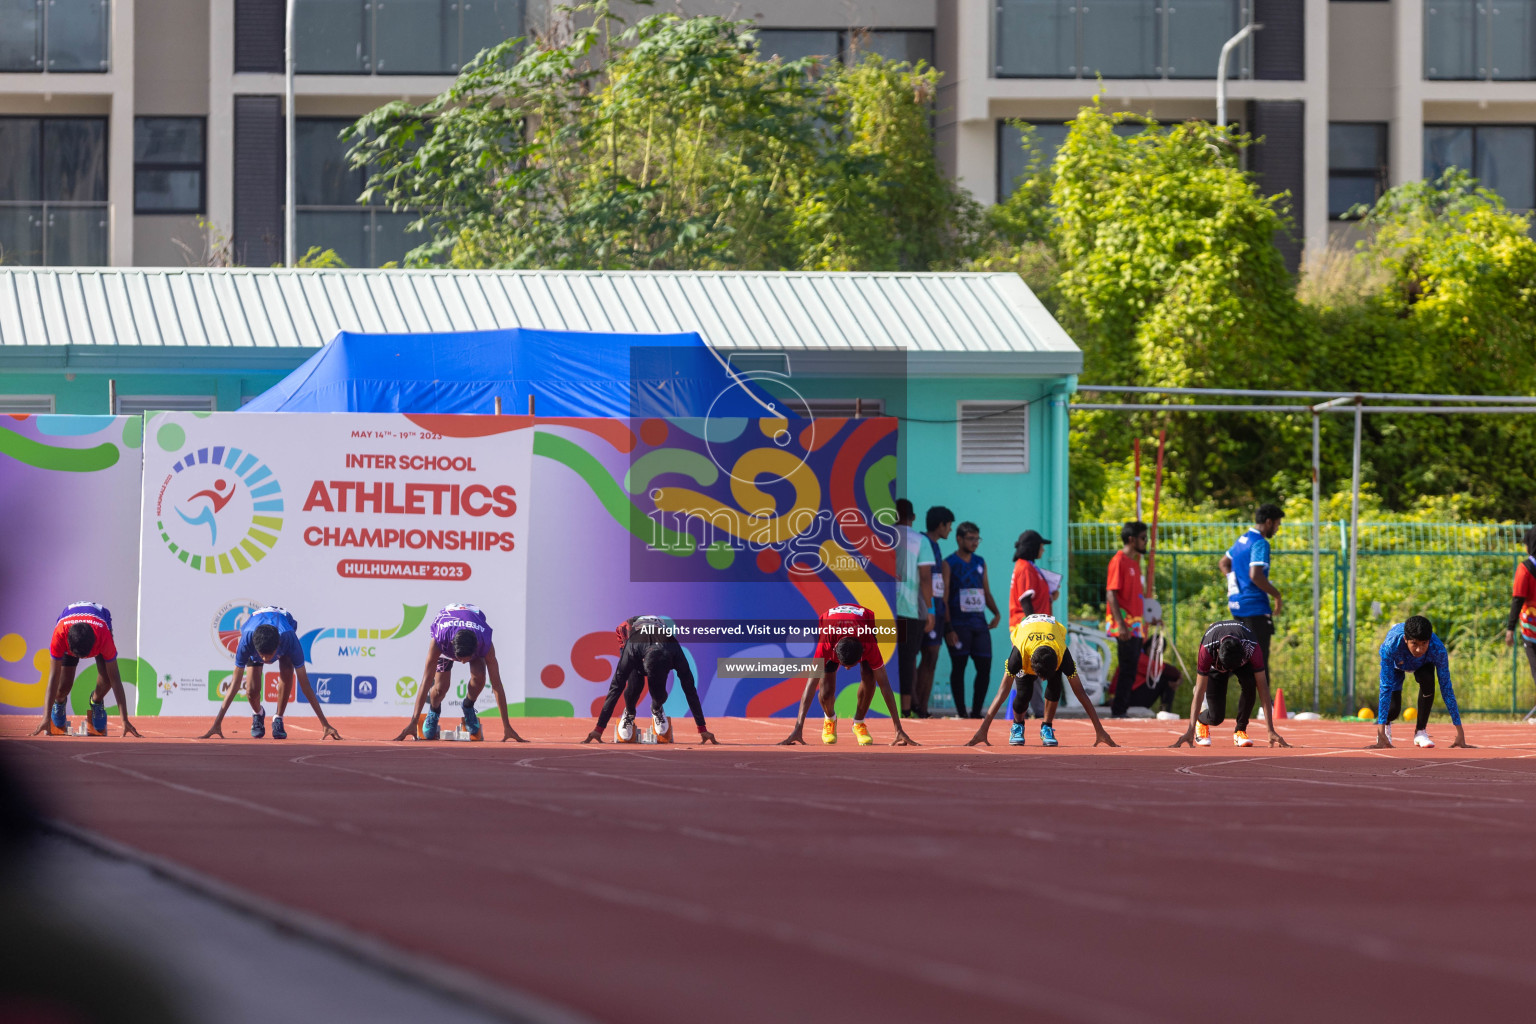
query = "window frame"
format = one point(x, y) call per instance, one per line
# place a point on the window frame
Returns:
point(845, 36)
point(43, 41)
point(1474, 126)
point(1243, 54)
point(171, 403)
point(7, 401)
point(991, 405)
point(201, 166)
point(45, 205)
point(370, 58)
point(1381, 175)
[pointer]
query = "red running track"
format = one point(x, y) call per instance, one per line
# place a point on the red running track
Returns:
point(747, 883)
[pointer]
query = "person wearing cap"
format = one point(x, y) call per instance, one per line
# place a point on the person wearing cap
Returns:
point(1028, 592)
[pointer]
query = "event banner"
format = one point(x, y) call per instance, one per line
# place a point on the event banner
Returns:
point(742, 532)
point(68, 487)
point(362, 526)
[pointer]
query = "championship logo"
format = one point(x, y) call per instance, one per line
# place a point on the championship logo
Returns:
point(219, 510)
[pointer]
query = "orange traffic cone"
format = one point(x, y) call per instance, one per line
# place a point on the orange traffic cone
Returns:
point(1279, 704)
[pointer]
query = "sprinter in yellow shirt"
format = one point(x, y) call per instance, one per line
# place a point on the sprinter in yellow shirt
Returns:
point(1039, 652)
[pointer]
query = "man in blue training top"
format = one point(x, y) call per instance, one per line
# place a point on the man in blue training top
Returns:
point(1413, 647)
point(269, 634)
point(1246, 567)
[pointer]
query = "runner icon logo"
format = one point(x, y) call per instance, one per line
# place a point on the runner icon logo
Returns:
point(219, 510)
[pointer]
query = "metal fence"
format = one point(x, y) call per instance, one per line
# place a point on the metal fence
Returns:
point(1457, 574)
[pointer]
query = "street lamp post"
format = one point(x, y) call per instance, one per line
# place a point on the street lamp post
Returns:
point(1221, 69)
point(288, 216)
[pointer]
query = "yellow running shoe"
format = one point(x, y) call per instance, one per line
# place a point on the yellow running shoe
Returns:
point(1240, 739)
point(861, 732)
point(1202, 734)
point(829, 731)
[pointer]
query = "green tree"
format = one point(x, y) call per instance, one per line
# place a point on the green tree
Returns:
point(1171, 277)
point(669, 144)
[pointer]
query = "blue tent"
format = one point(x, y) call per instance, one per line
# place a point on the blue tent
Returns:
point(570, 373)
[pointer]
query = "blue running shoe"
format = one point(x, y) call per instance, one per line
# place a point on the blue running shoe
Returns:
point(1016, 735)
point(430, 730)
point(471, 719)
point(278, 732)
point(97, 720)
point(1047, 735)
point(258, 724)
point(58, 725)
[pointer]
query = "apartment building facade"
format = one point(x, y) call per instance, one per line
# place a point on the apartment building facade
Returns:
point(124, 124)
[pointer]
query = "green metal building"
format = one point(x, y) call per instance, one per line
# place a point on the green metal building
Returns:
point(975, 366)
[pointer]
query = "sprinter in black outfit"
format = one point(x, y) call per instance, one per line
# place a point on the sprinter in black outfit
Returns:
point(649, 654)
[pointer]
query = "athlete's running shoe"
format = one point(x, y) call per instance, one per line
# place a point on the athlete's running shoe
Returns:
point(258, 724)
point(1016, 735)
point(1047, 735)
point(58, 725)
point(96, 720)
point(1421, 739)
point(1202, 734)
point(661, 726)
point(431, 728)
point(472, 721)
point(829, 731)
point(278, 732)
point(625, 733)
point(861, 733)
point(1240, 739)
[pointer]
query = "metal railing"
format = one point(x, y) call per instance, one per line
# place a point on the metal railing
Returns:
point(1458, 574)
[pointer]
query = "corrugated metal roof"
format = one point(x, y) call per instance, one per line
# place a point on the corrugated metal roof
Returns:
point(937, 316)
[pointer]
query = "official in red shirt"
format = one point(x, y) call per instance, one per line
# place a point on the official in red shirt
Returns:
point(1028, 592)
point(1123, 609)
point(1522, 609)
point(846, 637)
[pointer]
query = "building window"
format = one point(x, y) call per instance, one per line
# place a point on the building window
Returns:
point(788, 44)
point(168, 159)
point(53, 191)
point(1501, 157)
point(1013, 159)
point(992, 437)
point(1474, 40)
point(54, 35)
point(1119, 38)
point(1357, 166)
point(327, 214)
point(19, 405)
point(837, 408)
point(134, 405)
point(399, 37)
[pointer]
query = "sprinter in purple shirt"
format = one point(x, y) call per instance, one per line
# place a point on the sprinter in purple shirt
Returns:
point(459, 633)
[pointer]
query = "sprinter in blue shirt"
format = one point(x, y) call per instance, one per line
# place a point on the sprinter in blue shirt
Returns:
point(268, 635)
point(1413, 647)
point(1246, 567)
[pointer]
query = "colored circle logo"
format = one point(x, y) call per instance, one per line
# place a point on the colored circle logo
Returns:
point(405, 686)
point(219, 510)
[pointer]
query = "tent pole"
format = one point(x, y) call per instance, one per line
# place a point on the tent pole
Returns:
point(1354, 554)
point(530, 404)
point(498, 405)
point(1317, 580)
